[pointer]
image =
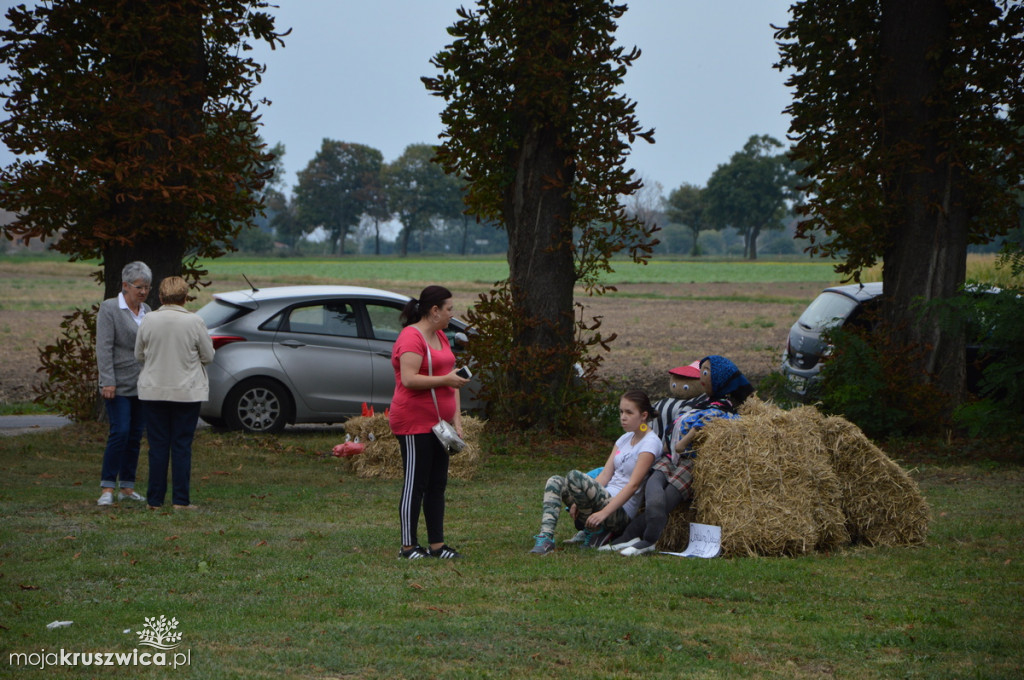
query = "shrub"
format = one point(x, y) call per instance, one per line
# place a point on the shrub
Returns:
point(495, 355)
point(996, 328)
point(70, 366)
point(873, 385)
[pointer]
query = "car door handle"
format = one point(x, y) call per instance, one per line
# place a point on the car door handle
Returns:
point(386, 355)
point(293, 343)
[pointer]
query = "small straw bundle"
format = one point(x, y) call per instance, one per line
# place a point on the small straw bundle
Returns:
point(791, 482)
point(382, 457)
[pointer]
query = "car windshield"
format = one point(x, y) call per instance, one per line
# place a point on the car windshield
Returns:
point(828, 309)
point(217, 313)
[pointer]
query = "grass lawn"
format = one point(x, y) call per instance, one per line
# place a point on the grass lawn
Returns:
point(289, 569)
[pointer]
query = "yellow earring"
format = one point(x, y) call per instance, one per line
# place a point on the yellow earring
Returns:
point(643, 427)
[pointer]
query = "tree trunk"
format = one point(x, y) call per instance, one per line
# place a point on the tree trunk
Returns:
point(925, 256)
point(173, 97)
point(163, 255)
point(403, 241)
point(541, 272)
point(752, 243)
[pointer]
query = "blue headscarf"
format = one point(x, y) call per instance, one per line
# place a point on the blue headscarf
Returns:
point(726, 378)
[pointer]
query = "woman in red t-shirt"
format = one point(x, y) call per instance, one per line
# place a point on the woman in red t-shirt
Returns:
point(413, 414)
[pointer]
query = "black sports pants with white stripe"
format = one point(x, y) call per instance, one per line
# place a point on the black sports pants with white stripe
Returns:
point(426, 476)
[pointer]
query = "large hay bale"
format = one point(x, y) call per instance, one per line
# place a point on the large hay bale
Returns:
point(788, 482)
point(765, 479)
point(382, 457)
point(882, 504)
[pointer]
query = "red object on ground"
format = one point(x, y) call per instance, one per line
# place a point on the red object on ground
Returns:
point(348, 449)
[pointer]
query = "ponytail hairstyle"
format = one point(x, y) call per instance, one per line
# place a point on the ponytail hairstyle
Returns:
point(642, 401)
point(430, 297)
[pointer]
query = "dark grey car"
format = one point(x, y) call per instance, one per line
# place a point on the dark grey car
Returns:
point(852, 305)
point(806, 349)
point(305, 354)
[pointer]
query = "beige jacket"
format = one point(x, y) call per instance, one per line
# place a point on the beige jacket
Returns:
point(173, 346)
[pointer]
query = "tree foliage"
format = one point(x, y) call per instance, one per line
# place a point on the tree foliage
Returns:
point(685, 205)
point(750, 192)
point(535, 125)
point(907, 116)
point(418, 191)
point(335, 188)
point(136, 128)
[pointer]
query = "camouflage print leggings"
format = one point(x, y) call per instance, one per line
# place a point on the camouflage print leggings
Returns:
point(589, 496)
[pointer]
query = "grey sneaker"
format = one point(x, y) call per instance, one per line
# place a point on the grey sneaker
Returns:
point(129, 494)
point(106, 498)
point(578, 537)
point(544, 545)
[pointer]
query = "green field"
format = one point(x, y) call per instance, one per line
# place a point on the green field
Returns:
point(289, 569)
point(488, 271)
point(48, 283)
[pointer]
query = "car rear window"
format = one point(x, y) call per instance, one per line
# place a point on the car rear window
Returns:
point(217, 313)
point(828, 309)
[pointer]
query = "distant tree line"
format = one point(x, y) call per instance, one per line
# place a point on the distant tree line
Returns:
point(347, 199)
point(347, 195)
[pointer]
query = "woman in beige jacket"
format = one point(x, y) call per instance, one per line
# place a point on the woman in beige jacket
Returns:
point(173, 346)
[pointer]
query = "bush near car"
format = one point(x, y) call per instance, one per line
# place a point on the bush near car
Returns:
point(835, 355)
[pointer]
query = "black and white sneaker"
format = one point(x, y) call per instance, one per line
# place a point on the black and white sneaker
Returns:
point(445, 553)
point(413, 553)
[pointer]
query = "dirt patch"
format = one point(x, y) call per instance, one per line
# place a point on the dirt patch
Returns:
point(679, 324)
point(659, 326)
point(22, 333)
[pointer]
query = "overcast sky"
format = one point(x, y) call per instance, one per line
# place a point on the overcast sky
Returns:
point(350, 71)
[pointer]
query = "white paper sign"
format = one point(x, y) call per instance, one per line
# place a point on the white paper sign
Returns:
point(705, 541)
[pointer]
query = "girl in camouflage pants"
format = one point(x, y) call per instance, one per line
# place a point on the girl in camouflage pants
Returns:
point(604, 506)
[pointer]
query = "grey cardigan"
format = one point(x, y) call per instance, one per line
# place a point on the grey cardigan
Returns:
point(115, 348)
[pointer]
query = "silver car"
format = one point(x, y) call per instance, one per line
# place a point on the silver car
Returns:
point(305, 354)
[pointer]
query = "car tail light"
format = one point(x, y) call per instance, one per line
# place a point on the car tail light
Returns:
point(221, 340)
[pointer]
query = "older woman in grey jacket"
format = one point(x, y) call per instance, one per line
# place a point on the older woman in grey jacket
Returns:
point(117, 323)
point(173, 346)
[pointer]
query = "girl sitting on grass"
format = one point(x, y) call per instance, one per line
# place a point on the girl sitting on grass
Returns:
point(605, 505)
point(670, 483)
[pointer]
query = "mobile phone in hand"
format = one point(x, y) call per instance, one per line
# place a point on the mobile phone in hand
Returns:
point(464, 372)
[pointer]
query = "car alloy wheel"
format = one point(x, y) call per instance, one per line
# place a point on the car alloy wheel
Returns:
point(257, 405)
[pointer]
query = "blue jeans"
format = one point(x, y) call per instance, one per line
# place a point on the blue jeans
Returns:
point(170, 426)
point(121, 457)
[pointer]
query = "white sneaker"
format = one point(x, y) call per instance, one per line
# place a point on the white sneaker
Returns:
point(129, 494)
point(106, 498)
point(633, 551)
point(620, 546)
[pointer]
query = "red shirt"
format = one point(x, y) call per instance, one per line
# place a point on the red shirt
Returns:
point(412, 411)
